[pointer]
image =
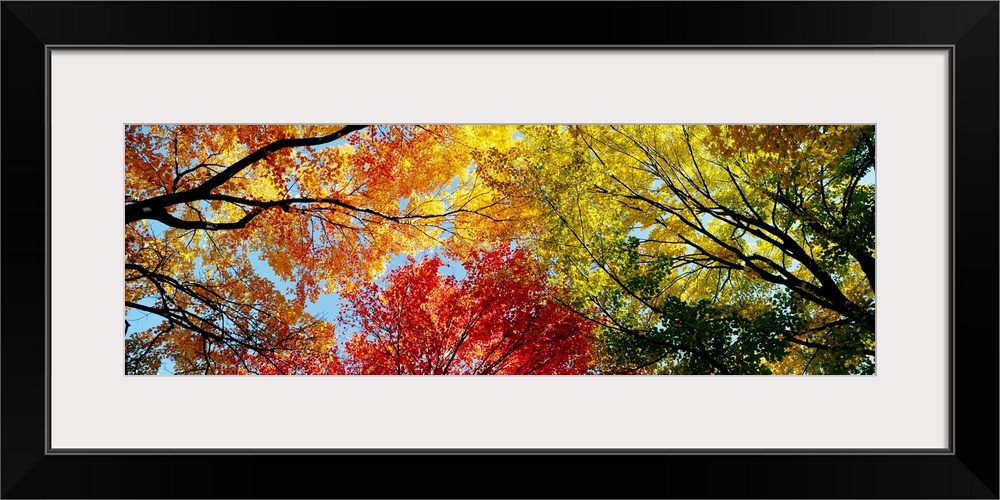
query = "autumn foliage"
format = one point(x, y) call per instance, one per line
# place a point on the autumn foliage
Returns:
point(499, 249)
point(499, 320)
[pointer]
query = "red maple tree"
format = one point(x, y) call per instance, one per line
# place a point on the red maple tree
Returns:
point(499, 319)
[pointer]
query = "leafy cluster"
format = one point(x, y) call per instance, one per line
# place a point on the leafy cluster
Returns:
point(498, 320)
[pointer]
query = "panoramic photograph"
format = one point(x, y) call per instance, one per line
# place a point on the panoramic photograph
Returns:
point(532, 249)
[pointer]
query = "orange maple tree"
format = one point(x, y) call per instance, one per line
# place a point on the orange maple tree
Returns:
point(203, 203)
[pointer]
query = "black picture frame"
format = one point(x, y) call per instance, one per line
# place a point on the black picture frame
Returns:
point(968, 470)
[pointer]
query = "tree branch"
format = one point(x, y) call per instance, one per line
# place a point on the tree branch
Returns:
point(143, 209)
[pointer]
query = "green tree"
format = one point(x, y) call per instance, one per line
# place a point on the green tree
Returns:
point(702, 249)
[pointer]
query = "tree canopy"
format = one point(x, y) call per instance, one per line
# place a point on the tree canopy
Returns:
point(607, 249)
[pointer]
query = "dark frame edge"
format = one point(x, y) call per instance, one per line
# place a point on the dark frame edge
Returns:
point(23, 363)
point(975, 175)
point(48, 251)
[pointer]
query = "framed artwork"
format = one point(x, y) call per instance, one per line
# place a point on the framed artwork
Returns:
point(86, 83)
